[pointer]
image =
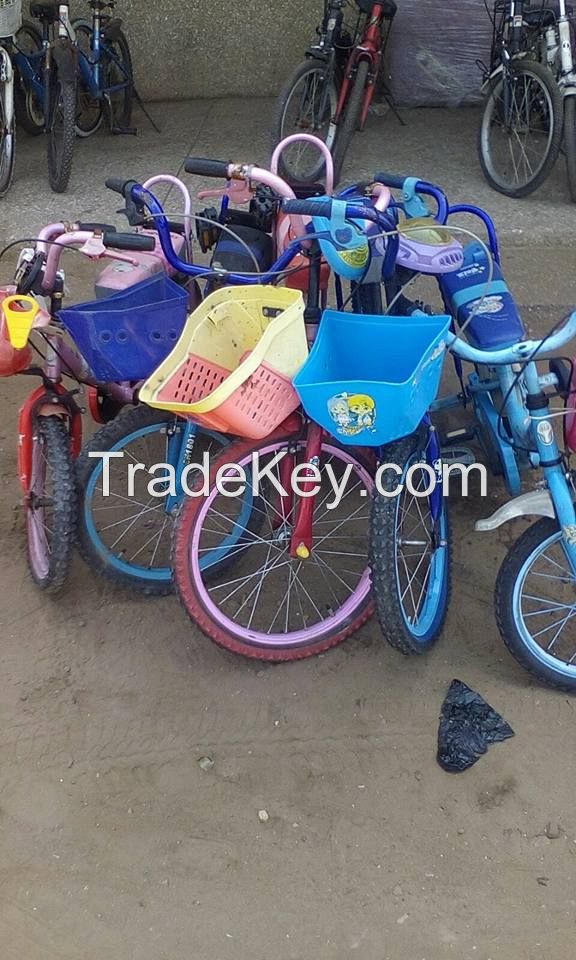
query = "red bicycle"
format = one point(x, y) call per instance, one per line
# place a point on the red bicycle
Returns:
point(330, 93)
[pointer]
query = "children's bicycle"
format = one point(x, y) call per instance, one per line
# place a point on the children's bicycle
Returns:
point(130, 544)
point(330, 93)
point(410, 565)
point(118, 340)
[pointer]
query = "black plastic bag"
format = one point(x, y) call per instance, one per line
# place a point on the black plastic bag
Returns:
point(468, 725)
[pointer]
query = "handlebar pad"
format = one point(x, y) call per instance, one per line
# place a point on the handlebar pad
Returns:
point(308, 208)
point(203, 167)
point(128, 241)
point(390, 180)
point(98, 227)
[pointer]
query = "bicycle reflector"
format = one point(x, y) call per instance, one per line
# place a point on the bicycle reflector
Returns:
point(19, 314)
point(343, 243)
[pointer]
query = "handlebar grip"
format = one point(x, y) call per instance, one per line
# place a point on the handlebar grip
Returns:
point(203, 167)
point(97, 227)
point(128, 241)
point(308, 208)
point(118, 185)
point(391, 180)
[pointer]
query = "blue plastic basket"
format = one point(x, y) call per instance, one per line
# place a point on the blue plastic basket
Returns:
point(126, 336)
point(370, 379)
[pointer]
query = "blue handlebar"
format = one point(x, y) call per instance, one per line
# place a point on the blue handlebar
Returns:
point(420, 186)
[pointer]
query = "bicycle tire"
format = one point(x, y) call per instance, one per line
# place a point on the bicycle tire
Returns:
point(7, 146)
point(350, 118)
point(516, 565)
point(29, 114)
point(50, 548)
point(120, 118)
point(130, 427)
point(61, 133)
point(519, 68)
point(408, 635)
point(308, 67)
point(570, 142)
point(337, 626)
point(84, 127)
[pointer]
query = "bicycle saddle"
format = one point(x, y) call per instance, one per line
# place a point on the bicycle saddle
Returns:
point(545, 15)
point(45, 10)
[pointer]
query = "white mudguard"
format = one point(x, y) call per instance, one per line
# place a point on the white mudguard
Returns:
point(535, 504)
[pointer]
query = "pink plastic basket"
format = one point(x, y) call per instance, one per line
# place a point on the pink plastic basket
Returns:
point(253, 410)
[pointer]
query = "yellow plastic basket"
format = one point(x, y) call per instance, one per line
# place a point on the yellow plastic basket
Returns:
point(233, 365)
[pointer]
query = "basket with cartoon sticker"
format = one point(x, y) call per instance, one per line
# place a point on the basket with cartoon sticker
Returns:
point(370, 380)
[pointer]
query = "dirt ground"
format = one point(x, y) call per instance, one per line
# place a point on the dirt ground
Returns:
point(116, 843)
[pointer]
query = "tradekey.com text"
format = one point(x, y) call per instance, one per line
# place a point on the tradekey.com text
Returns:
point(306, 479)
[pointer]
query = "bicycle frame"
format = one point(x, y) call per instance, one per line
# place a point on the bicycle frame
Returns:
point(90, 67)
point(370, 49)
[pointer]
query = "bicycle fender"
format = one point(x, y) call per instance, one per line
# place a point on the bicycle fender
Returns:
point(538, 503)
point(38, 403)
point(65, 57)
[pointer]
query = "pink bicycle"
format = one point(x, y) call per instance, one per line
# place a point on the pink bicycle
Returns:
point(50, 419)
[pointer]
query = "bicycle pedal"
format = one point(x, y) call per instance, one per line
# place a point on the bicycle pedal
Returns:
point(457, 455)
point(124, 131)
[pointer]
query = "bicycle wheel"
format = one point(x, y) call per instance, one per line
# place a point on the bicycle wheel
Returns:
point(350, 119)
point(118, 81)
point(535, 601)
point(409, 553)
point(29, 112)
point(307, 104)
point(51, 505)
point(61, 133)
point(127, 538)
point(570, 142)
point(89, 109)
point(269, 606)
point(521, 130)
point(7, 143)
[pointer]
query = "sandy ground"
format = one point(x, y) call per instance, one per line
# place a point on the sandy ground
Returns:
point(114, 842)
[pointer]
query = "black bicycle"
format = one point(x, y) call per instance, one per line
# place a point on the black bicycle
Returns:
point(330, 92)
point(522, 124)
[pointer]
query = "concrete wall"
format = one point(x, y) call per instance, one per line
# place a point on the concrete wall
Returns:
point(206, 48)
point(214, 48)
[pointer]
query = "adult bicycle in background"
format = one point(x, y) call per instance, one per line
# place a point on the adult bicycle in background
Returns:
point(330, 92)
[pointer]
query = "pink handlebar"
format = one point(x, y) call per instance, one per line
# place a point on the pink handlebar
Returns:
point(320, 146)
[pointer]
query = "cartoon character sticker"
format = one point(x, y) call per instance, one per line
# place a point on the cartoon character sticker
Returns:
point(352, 413)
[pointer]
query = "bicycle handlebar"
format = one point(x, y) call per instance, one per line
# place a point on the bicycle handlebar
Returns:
point(521, 351)
point(203, 167)
point(420, 186)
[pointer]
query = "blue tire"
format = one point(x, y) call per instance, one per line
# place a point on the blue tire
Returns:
point(410, 553)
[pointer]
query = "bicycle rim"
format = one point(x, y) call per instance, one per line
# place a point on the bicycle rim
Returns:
point(518, 132)
point(309, 108)
point(421, 556)
point(7, 147)
point(130, 529)
point(266, 599)
point(544, 607)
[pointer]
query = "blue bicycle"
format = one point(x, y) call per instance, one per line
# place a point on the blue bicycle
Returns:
point(45, 84)
point(106, 81)
point(535, 596)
